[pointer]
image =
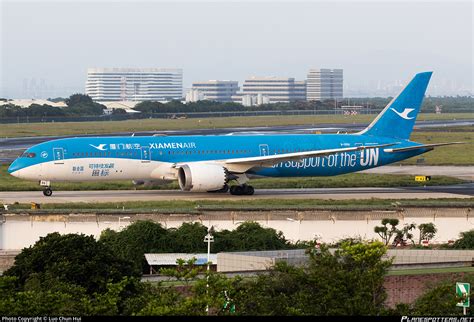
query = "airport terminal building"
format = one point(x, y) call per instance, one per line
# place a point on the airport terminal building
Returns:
point(134, 84)
point(276, 89)
point(324, 84)
point(217, 90)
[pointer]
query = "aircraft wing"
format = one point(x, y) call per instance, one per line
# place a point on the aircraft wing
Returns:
point(241, 165)
point(423, 146)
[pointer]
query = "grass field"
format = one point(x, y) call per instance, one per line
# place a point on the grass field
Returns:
point(461, 154)
point(195, 206)
point(10, 183)
point(72, 128)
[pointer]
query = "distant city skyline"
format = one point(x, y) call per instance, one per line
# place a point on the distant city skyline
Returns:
point(47, 47)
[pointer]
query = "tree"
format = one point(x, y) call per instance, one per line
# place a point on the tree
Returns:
point(385, 232)
point(73, 259)
point(80, 104)
point(437, 301)
point(348, 281)
point(76, 99)
point(427, 231)
point(118, 111)
point(249, 236)
point(188, 238)
point(404, 234)
point(466, 240)
point(135, 240)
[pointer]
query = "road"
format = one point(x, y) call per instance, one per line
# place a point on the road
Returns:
point(455, 191)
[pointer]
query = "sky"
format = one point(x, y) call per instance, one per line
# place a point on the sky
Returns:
point(47, 46)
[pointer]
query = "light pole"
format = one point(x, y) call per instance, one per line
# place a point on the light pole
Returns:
point(208, 239)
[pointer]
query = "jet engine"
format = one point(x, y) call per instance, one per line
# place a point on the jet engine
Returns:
point(199, 177)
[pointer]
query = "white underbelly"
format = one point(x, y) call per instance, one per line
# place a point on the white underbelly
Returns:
point(99, 169)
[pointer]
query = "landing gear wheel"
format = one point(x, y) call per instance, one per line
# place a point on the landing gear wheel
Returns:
point(236, 190)
point(224, 189)
point(249, 190)
point(47, 192)
point(242, 190)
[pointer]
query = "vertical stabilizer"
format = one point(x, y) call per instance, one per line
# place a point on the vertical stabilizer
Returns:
point(398, 117)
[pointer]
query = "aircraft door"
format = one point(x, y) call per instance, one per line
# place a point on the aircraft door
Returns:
point(264, 150)
point(58, 155)
point(146, 156)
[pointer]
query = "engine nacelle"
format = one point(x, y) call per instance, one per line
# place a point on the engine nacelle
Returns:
point(202, 177)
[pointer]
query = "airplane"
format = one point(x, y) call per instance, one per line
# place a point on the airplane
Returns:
point(208, 163)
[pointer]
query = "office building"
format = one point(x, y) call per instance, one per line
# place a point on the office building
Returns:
point(251, 100)
point(217, 90)
point(277, 89)
point(324, 84)
point(194, 95)
point(134, 84)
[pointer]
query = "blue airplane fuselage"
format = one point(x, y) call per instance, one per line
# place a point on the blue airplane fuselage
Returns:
point(87, 152)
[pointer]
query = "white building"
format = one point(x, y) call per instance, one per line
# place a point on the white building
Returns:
point(252, 100)
point(194, 95)
point(134, 84)
point(217, 90)
point(277, 89)
point(323, 84)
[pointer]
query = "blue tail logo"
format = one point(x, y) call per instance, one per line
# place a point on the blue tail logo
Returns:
point(398, 117)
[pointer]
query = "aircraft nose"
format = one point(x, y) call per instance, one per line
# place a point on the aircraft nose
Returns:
point(14, 168)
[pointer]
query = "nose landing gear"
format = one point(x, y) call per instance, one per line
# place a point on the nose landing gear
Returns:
point(47, 192)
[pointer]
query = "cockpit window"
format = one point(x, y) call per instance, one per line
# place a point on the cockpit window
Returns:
point(28, 155)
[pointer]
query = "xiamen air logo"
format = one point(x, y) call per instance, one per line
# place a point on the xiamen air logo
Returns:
point(44, 154)
point(405, 113)
point(101, 147)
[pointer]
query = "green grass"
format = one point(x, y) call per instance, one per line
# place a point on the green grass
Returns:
point(196, 206)
point(10, 183)
point(459, 154)
point(397, 272)
point(71, 128)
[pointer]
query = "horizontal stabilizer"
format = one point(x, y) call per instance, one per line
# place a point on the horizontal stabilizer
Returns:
point(417, 147)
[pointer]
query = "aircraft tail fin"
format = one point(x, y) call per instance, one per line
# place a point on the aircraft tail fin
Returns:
point(398, 117)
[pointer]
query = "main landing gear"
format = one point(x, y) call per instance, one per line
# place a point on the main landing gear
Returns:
point(238, 190)
point(242, 190)
point(223, 190)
